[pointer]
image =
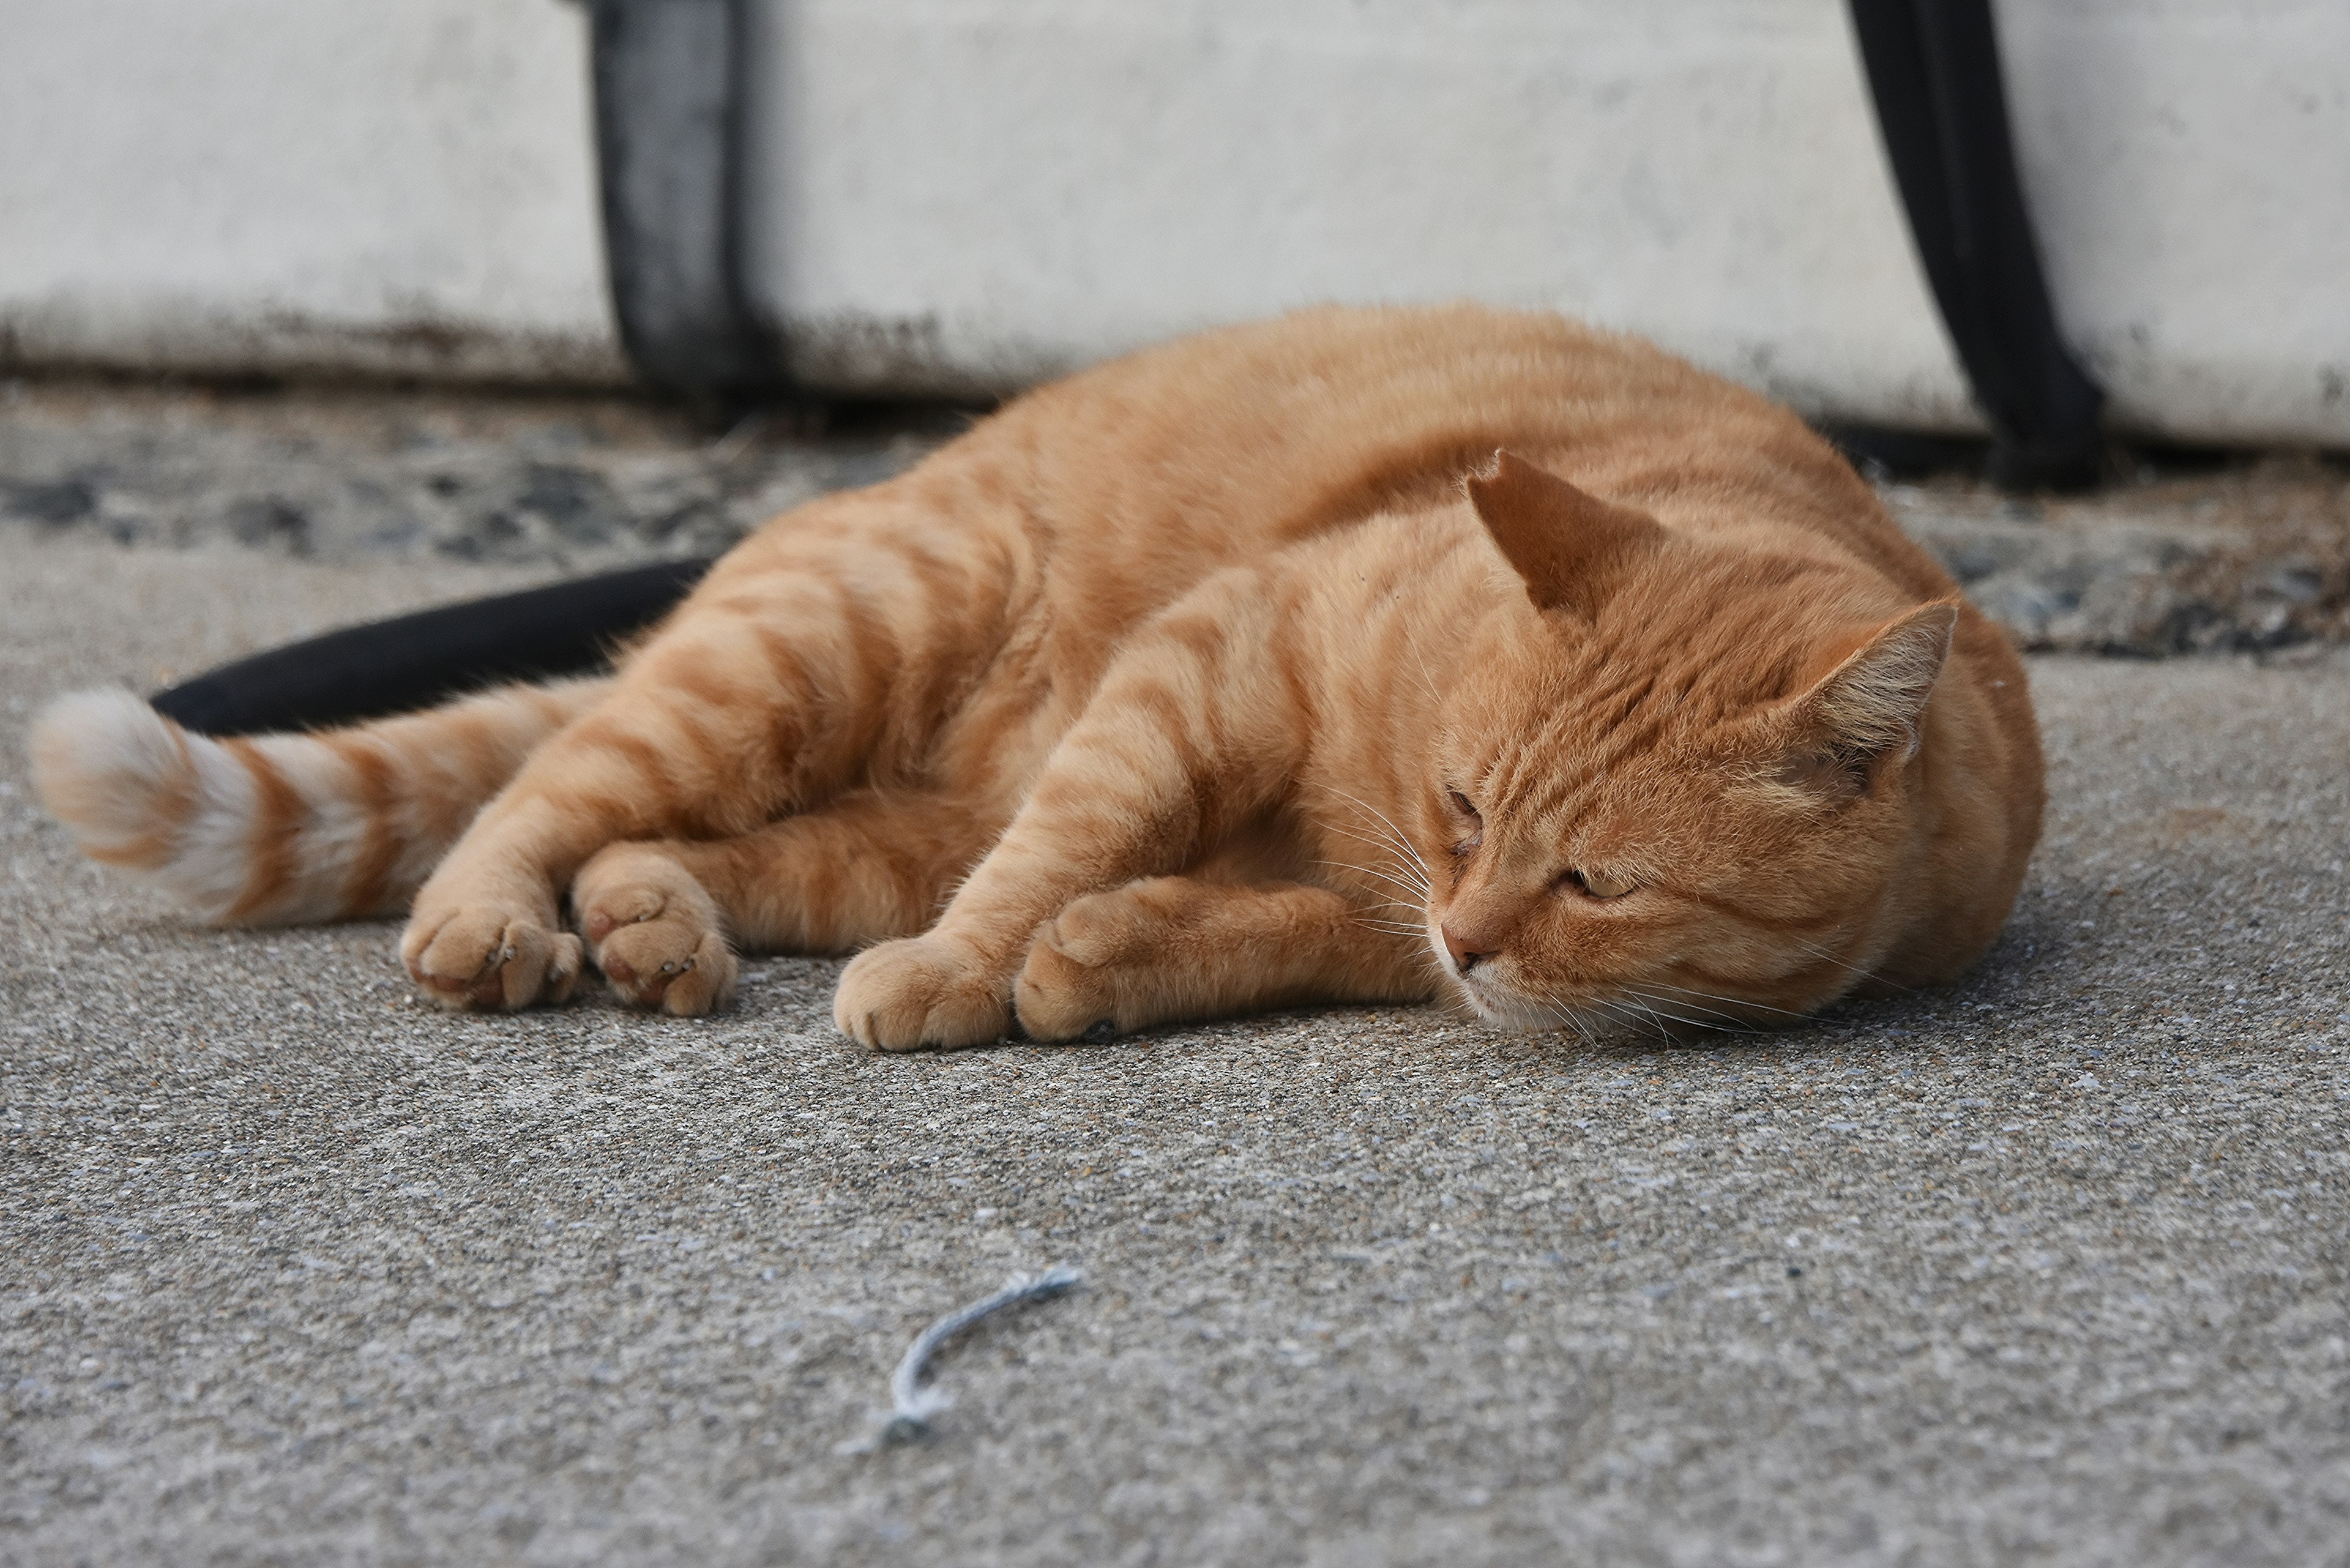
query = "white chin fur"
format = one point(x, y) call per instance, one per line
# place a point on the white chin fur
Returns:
point(1493, 1006)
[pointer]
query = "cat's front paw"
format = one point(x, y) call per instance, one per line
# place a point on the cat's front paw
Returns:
point(922, 991)
point(656, 933)
point(1069, 984)
point(489, 953)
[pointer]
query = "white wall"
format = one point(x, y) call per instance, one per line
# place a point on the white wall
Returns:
point(378, 186)
point(973, 193)
point(1001, 187)
point(985, 191)
point(2189, 165)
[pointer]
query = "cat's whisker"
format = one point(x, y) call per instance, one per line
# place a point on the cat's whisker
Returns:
point(1390, 822)
point(1585, 1026)
point(1641, 993)
point(1410, 870)
point(1403, 853)
point(1402, 838)
point(1635, 1014)
point(1416, 911)
point(1395, 927)
point(1659, 1010)
point(1392, 881)
point(1717, 996)
point(1389, 835)
point(1399, 904)
point(1637, 1017)
point(1715, 1019)
point(1726, 1020)
point(1572, 1018)
point(1427, 680)
point(1390, 923)
point(1399, 875)
point(1825, 956)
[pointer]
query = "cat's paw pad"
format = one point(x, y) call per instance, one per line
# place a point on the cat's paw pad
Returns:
point(922, 991)
point(1068, 988)
point(656, 933)
point(489, 954)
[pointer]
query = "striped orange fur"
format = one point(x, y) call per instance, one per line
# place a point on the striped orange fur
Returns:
point(1379, 654)
point(287, 829)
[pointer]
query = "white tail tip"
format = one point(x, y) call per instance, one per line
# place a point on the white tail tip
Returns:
point(139, 792)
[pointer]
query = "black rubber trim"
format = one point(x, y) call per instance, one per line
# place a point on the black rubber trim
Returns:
point(1933, 70)
point(672, 98)
point(414, 662)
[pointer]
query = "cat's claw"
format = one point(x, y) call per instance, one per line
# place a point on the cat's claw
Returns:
point(922, 991)
point(657, 934)
point(488, 956)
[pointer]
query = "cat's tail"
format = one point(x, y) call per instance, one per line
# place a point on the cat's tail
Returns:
point(278, 829)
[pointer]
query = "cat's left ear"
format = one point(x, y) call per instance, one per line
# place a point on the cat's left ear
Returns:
point(1872, 704)
point(1572, 548)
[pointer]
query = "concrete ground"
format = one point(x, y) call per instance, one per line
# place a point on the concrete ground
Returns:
point(2048, 1268)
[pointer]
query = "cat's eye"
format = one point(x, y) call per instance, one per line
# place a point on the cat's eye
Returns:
point(1476, 823)
point(1596, 884)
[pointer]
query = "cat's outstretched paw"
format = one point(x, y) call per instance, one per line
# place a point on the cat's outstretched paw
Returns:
point(489, 953)
point(922, 991)
point(1069, 986)
point(656, 934)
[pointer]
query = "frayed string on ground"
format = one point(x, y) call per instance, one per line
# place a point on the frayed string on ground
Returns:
point(914, 1404)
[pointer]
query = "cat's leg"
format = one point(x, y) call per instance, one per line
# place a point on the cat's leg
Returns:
point(1170, 947)
point(796, 662)
point(664, 918)
point(1196, 729)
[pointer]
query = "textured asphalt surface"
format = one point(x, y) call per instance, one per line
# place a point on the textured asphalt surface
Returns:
point(2048, 1268)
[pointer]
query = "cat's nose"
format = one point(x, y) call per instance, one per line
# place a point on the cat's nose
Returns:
point(1464, 957)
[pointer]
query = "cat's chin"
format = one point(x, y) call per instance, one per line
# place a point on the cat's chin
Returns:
point(1595, 1018)
point(1500, 1008)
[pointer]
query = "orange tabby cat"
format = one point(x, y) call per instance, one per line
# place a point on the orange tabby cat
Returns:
point(1196, 684)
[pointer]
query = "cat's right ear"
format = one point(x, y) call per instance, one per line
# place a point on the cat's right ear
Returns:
point(1871, 706)
point(1573, 549)
point(1874, 701)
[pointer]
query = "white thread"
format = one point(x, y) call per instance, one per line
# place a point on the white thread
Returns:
point(910, 1421)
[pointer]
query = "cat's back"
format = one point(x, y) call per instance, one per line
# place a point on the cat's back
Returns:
point(1140, 476)
point(1272, 431)
point(1111, 493)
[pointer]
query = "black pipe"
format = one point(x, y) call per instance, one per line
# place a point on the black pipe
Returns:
point(1933, 70)
point(671, 105)
point(414, 662)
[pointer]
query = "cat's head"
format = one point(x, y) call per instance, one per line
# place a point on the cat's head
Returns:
point(1685, 794)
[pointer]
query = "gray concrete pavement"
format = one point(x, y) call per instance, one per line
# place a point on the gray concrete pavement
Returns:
point(2048, 1268)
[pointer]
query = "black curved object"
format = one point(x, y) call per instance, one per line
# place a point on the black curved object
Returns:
point(670, 103)
point(1933, 70)
point(413, 661)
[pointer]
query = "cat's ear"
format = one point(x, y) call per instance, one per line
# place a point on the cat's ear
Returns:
point(1872, 704)
point(1572, 548)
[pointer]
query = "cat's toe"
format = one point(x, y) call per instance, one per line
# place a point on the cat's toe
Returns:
point(670, 965)
point(489, 956)
point(918, 991)
point(1058, 996)
point(657, 935)
point(1098, 930)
